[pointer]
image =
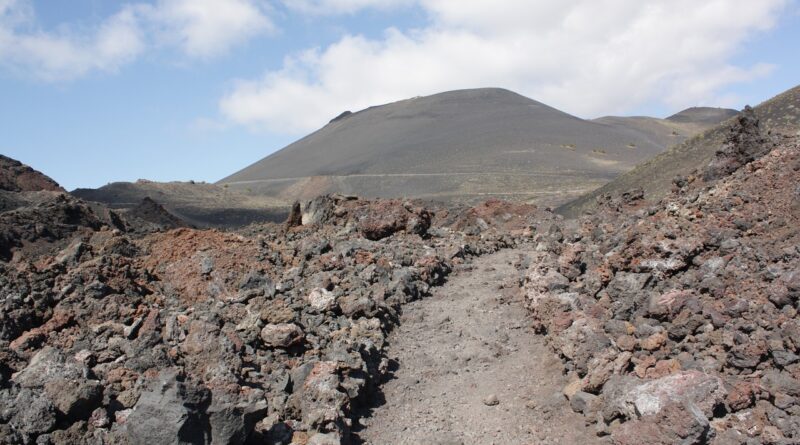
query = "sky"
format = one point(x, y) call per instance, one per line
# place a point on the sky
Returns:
point(97, 91)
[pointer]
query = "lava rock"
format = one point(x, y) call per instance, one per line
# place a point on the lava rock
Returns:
point(282, 335)
point(169, 412)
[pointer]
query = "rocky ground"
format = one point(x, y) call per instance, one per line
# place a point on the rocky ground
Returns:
point(678, 322)
point(389, 321)
point(118, 330)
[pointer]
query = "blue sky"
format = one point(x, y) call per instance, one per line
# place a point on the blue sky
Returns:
point(98, 91)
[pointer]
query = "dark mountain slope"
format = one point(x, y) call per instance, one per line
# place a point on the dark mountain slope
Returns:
point(462, 145)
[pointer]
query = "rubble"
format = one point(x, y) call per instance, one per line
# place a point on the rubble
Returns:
point(120, 330)
point(678, 321)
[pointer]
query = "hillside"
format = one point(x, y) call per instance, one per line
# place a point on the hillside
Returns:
point(461, 145)
point(674, 129)
point(18, 177)
point(780, 115)
point(200, 204)
point(703, 115)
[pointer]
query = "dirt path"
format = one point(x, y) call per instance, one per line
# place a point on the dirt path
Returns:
point(472, 372)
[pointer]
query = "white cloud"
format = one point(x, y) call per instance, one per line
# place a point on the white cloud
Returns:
point(204, 28)
point(584, 56)
point(199, 28)
point(66, 55)
point(342, 6)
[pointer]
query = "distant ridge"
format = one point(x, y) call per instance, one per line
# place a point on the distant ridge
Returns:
point(705, 115)
point(465, 145)
point(198, 204)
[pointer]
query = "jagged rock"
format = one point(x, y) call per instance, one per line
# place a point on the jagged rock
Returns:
point(632, 398)
point(169, 412)
point(282, 335)
point(295, 218)
point(321, 299)
point(388, 217)
point(49, 364)
point(318, 211)
point(745, 143)
point(584, 403)
point(675, 424)
point(321, 400)
point(232, 418)
point(29, 413)
point(781, 382)
point(75, 399)
point(694, 291)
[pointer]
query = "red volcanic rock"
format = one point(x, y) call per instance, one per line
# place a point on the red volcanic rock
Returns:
point(384, 218)
point(501, 215)
point(18, 177)
point(674, 424)
point(203, 264)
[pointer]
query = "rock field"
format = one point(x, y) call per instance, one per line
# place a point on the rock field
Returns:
point(123, 331)
point(393, 321)
point(678, 322)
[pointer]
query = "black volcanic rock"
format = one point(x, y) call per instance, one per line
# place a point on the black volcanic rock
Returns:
point(745, 143)
point(51, 220)
point(153, 212)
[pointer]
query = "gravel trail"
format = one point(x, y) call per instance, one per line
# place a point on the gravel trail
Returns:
point(471, 371)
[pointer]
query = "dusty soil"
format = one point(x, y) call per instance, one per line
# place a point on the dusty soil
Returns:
point(457, 353)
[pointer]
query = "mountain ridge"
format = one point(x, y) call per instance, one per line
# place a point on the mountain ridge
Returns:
point(428, 147)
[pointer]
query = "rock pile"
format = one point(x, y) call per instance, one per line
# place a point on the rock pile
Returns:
point(150, 212)
point(679, 322)
point(274, 334)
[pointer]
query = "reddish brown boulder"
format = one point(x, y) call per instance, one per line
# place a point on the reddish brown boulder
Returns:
point(675, 424)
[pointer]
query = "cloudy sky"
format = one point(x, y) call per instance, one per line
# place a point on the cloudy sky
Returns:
point(94, 91)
